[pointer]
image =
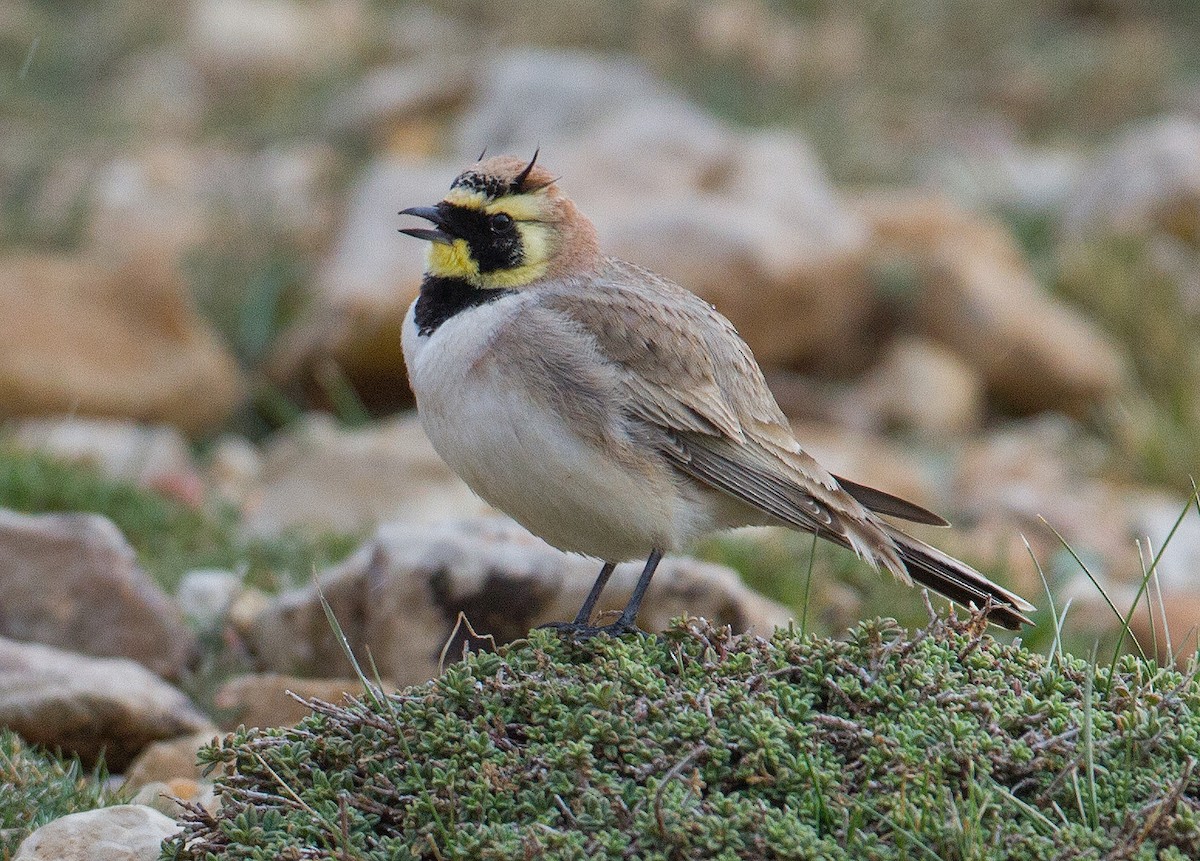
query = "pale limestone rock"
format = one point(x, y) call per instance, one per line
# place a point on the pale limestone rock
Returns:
point(1148, 179)
point(234, 40)
point(921, 387)
point(127, 832)
point(205, 596)
point(162, 796)
point(168, 761)
point(976, 295)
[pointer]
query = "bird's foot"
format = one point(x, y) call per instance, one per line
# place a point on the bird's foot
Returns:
point(583, 631)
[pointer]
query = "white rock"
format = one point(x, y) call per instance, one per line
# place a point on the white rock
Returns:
point(206, 596)
point(120, 449)
point(232, 39)
point(127, 832)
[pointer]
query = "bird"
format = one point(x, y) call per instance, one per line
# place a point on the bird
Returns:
point(612, 412)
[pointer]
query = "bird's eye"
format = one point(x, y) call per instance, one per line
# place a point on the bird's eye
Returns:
point(502, 222)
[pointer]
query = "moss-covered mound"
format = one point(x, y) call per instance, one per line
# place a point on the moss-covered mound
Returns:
point(943, 744)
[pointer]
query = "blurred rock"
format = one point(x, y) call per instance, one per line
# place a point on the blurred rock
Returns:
point(160, 92)
point(918, 386)
point(1147, 181)
point(162, 796)
point(317, 476)
point(551, 98)
point(233, 41)
point(390, 96)
point(748, 220)
point(127, 832)
point(401, 594)
point(416, 29)
point(263, 700)
point(233, 468)
point(170, 199)
point(167, 761)
point(1025, 481)
point(1176, 627)
point(789, 308)
point(978, 297)
point(88, 339)
point(88, 706)
point(366, 285)
point(1153, 519)
point(123, 450)
point(72, 580)
point(994, 170)
point(206, 596)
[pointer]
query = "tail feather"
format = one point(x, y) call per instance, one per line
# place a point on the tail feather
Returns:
point(958, 581)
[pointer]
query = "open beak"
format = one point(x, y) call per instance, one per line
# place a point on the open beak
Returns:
point(429, 213)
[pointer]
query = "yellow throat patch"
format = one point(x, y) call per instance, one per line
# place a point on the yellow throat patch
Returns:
point(455, 260)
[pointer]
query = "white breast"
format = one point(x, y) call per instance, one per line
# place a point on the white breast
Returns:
point(522, 458)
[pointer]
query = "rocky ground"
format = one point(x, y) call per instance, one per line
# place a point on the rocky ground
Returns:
point(967, 264)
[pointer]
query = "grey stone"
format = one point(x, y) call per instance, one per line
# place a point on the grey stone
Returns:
point(89, 705)
point(72, 581)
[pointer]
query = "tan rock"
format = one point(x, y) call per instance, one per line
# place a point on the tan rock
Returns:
point(263, 700)
point(235, 40)
point(72, 581)
point(319, 476)
point(167, 761)
point(918, 386)
point(874, 460)
point(1035, 477)
point(979, 298)
point(89, 705)
point(127, 832)
point(1176, 624)
point(390, 97)
point(87, 339)
point(791, 305)
point(668, 186)
point(401, 594)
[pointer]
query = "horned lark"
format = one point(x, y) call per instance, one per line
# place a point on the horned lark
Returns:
point(610, 411)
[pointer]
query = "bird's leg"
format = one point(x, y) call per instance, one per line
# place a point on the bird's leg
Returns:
point(589, 604)
point(628, 620)
point(584, 617)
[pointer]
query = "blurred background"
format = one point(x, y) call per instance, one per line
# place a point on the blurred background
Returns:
point(962, 238)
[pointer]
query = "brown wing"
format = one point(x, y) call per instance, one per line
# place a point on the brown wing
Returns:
point(691, 375)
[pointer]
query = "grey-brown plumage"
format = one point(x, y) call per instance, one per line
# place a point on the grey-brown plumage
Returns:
point(614, 413)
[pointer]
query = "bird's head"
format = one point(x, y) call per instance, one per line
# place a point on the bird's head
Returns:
point(505, 225)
